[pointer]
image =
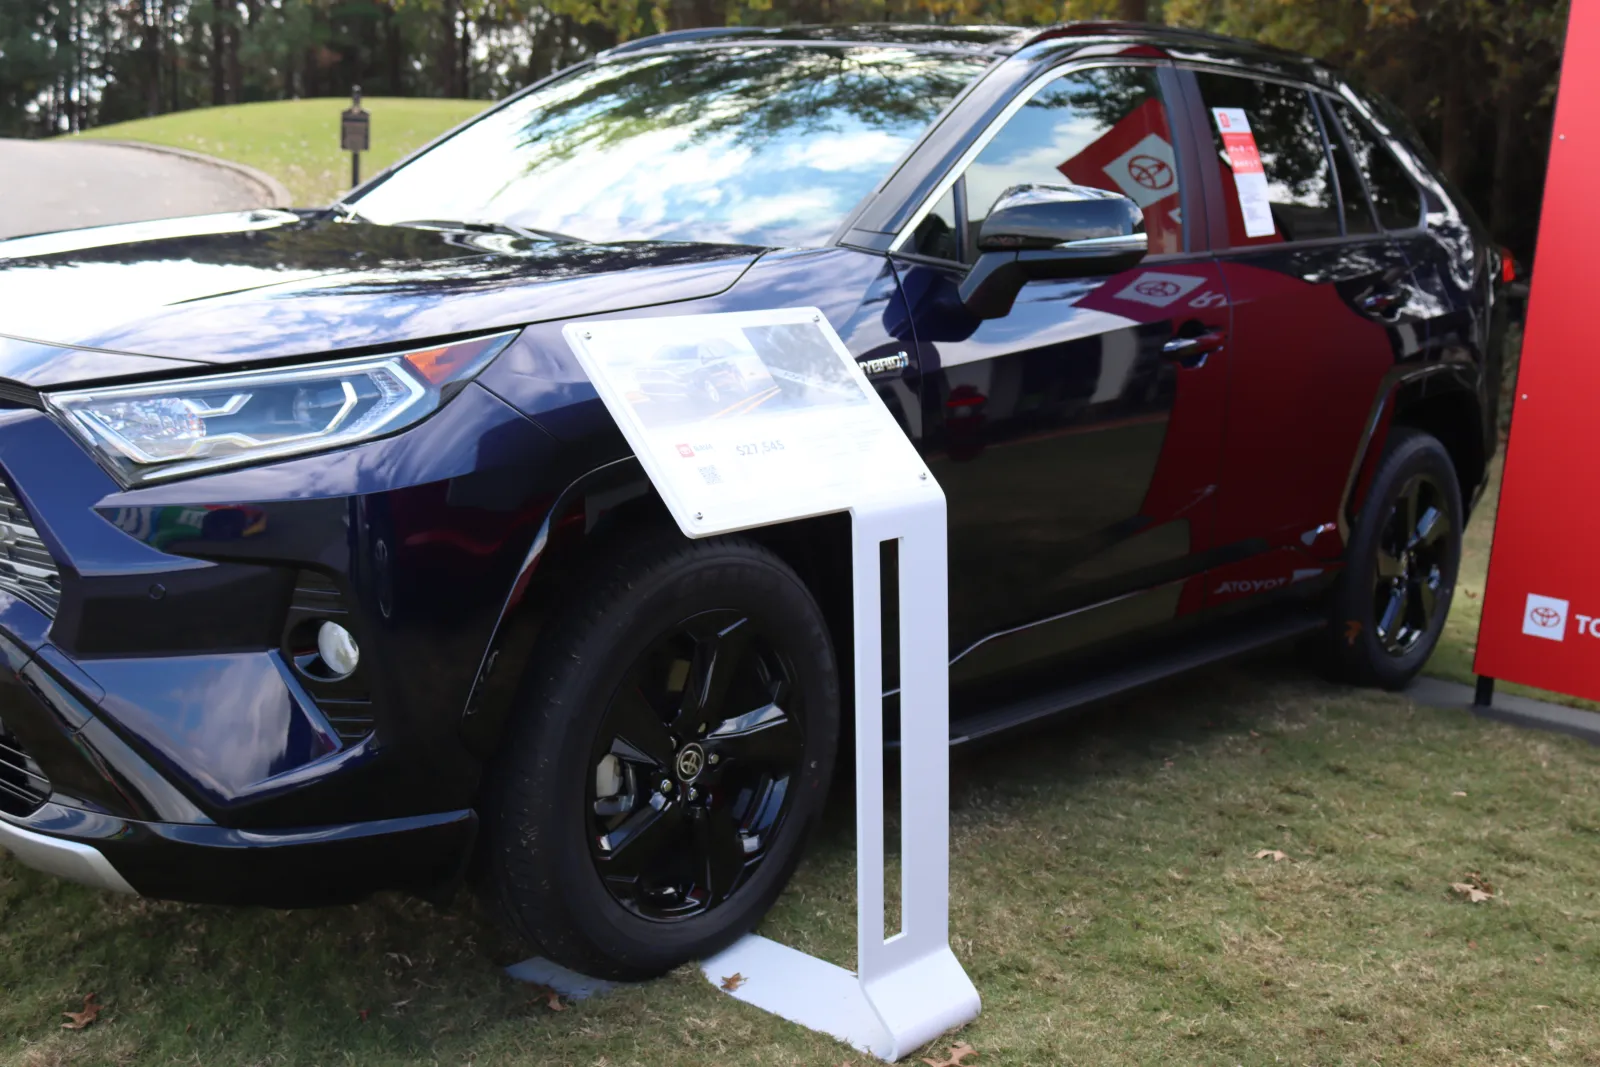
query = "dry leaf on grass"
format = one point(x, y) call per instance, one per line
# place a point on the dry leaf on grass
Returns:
point(1475, 889)
point(1458, 793)
point(81, 1019)
point(732, 982)
point(957, 1054)
point(1273, 854)
point(551, 998)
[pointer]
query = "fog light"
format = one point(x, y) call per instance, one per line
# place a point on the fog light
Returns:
point(338, 649)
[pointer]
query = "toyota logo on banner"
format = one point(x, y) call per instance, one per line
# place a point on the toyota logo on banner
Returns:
point(1546, 617)
point(1150, 172)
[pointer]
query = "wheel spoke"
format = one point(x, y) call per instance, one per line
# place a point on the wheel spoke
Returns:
point(718, 850)
point(1427, 603)
point(1432, 527)
point(721, 648)
point(1391, 612)
point(768, 736)
point(630, 850)
point(1408, 507)
point(1389, 565)
point(641, 735)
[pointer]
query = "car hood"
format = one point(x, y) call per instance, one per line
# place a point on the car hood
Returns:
point(249, 287)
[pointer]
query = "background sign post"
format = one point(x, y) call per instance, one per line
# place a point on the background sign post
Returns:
point(752, 418)
point(355, 133)
point(1541, 610)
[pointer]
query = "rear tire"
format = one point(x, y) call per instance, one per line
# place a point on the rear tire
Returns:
point(1403, 558)
point(628, 745)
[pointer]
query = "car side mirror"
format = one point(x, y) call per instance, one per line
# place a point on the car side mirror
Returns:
point(1050, 231)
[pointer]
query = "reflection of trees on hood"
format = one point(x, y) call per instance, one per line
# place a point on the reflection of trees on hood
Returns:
point(750, 95)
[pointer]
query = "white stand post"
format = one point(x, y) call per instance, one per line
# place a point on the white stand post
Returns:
point(910, 988)
point(806, 435)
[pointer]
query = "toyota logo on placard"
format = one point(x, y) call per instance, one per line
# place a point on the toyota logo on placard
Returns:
point(1150, 172)
point(1546, 617)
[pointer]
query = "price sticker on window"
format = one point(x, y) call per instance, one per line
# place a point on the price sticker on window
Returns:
point(1249, 176)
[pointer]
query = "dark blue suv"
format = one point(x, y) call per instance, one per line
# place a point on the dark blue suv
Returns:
point(323, 569)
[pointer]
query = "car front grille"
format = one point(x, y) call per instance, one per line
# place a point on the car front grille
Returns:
point(26, 567)
point(23, 786)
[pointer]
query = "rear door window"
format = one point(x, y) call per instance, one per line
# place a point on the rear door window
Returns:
point(1277, 182)
point(1359, 219)
point(1394, 194)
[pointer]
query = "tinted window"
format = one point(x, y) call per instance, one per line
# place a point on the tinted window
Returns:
point(1396, 198)
point(1103, 127)
point(1358, 218)
point(1285, 132)
point(935, 235)
point(766, 146)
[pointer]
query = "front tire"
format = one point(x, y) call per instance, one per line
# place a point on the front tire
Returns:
point(1403, 558)
point(670, 754)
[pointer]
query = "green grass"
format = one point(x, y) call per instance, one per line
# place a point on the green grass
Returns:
point(1106, 900)
point(297, 141)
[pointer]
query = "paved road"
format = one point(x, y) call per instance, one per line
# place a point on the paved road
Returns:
point(51, 185)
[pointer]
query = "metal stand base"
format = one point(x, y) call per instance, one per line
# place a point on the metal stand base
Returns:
point(911, 987)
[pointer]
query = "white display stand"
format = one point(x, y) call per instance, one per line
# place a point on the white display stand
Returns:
point(754, 418)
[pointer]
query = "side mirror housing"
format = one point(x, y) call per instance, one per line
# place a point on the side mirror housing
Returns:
point(1050, 231)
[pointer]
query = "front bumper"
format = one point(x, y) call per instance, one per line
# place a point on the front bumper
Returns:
point(158, 734)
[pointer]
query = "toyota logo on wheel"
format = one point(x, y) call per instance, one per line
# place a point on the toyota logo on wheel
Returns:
point(1151, 172)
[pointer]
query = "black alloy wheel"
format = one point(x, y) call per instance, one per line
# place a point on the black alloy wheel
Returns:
point(667, 757)
point(1404, 551)
point(692, 767)
point(1416, 549)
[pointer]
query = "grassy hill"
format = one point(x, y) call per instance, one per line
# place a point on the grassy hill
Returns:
point(297, 141)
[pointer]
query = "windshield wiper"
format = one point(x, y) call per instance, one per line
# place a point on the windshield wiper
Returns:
point(485, 226)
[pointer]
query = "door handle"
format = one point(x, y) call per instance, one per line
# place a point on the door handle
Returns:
point(1191, 352)
point(1383, 300)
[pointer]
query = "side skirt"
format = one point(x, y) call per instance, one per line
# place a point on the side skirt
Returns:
point(1188, 656)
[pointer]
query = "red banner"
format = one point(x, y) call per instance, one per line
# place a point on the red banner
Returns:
point(1541, 611)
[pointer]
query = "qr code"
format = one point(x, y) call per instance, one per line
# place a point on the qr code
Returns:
point(710, 475)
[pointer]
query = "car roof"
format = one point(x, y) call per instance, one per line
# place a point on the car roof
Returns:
point(993, 40)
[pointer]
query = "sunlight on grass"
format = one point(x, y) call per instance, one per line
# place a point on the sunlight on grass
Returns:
point(297, 141)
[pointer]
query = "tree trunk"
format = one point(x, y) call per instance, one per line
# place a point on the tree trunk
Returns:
point(1453, 128)
point(219, 56)
point(445, 85)
point(1134, 10)
point(1505, 133)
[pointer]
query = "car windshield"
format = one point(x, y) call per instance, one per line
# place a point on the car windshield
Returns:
point(750, 145)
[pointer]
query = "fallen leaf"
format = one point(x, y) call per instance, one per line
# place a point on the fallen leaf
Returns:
point(1352, 630)
point(1471, 892)
point(1471, 595)
point(1254, 734)
point(1458, 793)
point(1472, 944)
point(364, 1012)
point(81, 1019)
point(551, 998)
point(1275, 855)
point(957, 1054)
point(732, 982)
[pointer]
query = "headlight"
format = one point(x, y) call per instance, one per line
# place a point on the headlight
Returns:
point(173, 428)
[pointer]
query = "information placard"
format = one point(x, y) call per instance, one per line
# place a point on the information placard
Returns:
point(747, 418)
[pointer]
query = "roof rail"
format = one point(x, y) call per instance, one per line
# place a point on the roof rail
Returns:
point(1157, 32)
point(656, 40)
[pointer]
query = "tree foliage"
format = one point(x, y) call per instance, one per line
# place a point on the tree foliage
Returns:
point(1476, 77)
